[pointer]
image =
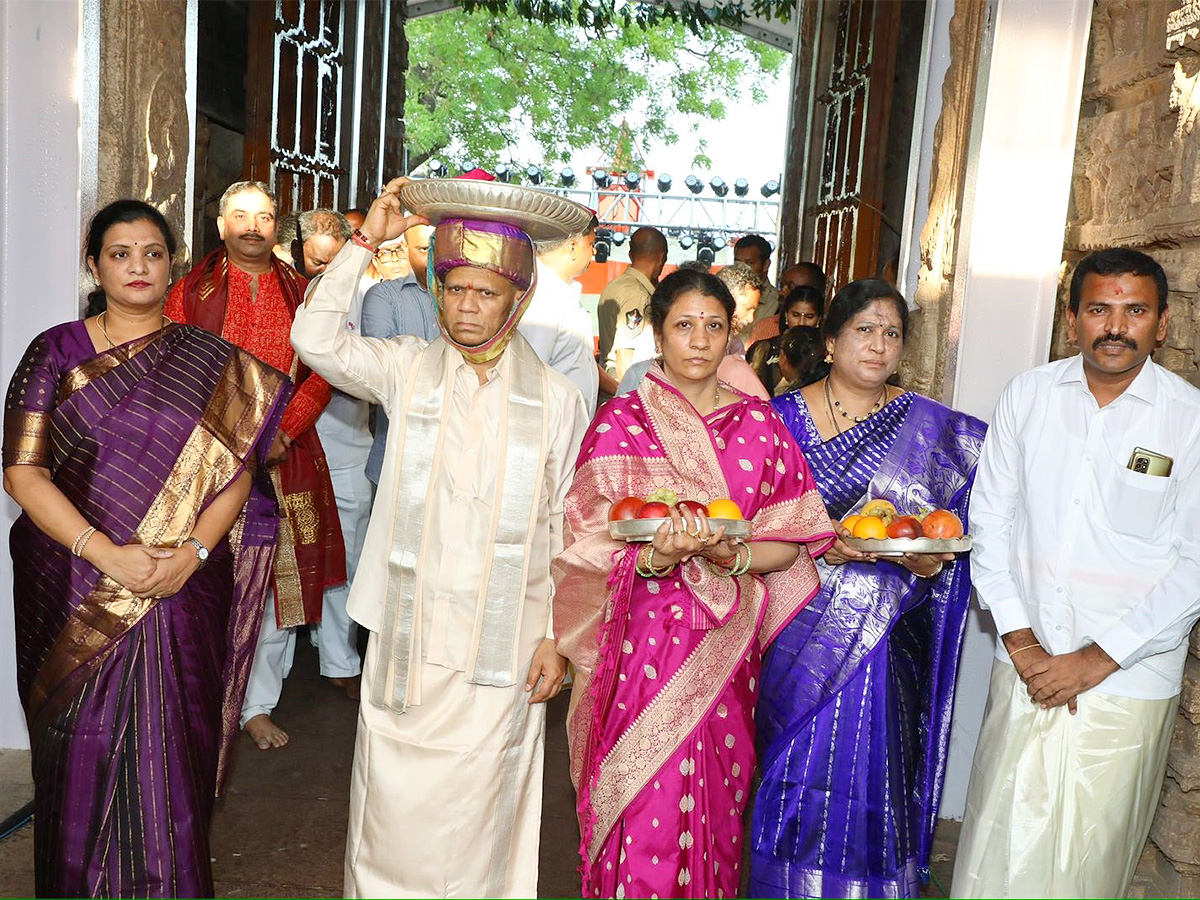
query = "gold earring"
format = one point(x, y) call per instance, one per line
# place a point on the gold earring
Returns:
point(828, 356)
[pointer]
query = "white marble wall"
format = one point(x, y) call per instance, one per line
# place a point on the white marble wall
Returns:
point(40, 88)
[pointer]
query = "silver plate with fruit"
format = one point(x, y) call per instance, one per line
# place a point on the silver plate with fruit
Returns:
point(643, 529)
point(900, 546)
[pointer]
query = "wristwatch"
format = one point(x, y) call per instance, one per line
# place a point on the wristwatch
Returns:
point(201, 550)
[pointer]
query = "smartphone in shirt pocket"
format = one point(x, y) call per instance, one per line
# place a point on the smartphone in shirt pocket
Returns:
point(1137, 494)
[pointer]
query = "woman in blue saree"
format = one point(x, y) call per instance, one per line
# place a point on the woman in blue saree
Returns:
point(858, 690)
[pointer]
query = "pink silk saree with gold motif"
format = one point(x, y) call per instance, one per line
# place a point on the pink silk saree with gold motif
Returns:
point(662, 714)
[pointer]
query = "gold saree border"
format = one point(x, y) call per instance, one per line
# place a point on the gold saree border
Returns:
point(206, 465)
point(289, 593)
point(26, 437)
point(105, 614)
point(678, 709)
point(104, 362)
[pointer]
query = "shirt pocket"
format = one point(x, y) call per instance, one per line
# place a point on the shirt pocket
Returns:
point(1136, 502)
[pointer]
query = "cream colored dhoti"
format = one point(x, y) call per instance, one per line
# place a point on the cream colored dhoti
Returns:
point(446, 798)
point(1060, 805)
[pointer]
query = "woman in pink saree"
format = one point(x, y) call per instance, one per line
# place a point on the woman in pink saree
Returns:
point(667, 637)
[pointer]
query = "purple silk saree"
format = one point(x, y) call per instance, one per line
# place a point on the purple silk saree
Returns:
point(858, 690)
point(661, 726)
point(132, 703)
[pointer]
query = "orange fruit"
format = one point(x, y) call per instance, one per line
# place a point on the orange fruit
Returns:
point(881, 509)
point(848, 522)
point(942, 523)
point(870, 527)
point(724, 508)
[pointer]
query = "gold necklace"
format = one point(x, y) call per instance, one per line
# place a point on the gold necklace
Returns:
point(104, 331)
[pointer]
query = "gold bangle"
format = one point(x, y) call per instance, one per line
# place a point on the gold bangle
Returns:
point(81, 541)
point(1026, 647)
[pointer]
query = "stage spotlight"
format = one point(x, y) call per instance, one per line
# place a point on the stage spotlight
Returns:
point(469, 166)
point(618, 238)
point(687, 242)
point(601, 178)
point(694, 184)
point(770, 188)
point(720, 188)
point(706, 255)
point(566, 175)
point(603, 245)
point(741, 187)
point(437, 168)
point(664, 182)
point(632, 180)
point(535, 174)
point(504, 172)
point(719, 243)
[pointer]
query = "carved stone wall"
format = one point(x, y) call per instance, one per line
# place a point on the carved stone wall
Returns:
point(927, 366)
point(1137, 161)
point(1136, 184)
point(144, 134)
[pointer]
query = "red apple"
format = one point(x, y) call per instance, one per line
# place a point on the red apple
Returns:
point(625, 509)
point(692, 506)
point(655, 509)
point(904, 527)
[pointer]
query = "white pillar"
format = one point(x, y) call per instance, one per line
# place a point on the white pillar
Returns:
point(40, 87)
point(1017, 210)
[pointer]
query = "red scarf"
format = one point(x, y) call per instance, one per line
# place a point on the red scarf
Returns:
point(311, 555)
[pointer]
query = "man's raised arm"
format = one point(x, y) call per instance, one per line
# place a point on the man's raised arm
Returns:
point(362, 367)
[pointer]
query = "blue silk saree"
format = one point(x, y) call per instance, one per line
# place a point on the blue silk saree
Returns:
point(858, 690)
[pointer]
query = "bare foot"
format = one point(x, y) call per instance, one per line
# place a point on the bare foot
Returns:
point(265, 733)
point(349, 685)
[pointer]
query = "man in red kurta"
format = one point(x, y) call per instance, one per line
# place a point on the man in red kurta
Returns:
point(243, 293)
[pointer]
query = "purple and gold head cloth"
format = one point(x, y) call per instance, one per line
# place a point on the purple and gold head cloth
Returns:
point(494, 246)
point(500, 248)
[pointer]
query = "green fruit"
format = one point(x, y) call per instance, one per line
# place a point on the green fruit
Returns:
point(663, 495)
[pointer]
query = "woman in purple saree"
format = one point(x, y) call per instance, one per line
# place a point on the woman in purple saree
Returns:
point(133, 445)
point(858, 690)
point(665, 638)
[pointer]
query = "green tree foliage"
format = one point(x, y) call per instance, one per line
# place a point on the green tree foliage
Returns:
point(481, 81)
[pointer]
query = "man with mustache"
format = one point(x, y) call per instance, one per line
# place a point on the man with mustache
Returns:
point(242, 292)
point(1086, 517)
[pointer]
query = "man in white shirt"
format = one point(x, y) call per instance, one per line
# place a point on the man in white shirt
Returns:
point(556, 325)
point(1086, 516)
point(454, 581)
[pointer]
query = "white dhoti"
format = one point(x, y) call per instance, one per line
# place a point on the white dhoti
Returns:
point(1060, 805)
point(446, 798)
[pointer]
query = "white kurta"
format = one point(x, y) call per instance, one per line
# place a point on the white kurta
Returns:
point(445, 797)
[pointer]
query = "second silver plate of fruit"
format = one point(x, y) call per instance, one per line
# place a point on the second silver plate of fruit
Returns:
point(900, 546)
point(643, 529)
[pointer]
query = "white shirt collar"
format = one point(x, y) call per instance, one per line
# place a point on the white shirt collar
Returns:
point(1144, 386)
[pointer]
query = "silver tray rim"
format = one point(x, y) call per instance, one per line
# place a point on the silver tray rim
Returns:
point(632, 530)
point(900, 546)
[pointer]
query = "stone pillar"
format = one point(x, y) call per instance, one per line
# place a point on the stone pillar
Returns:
point(933, 324)
point(144, 128)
